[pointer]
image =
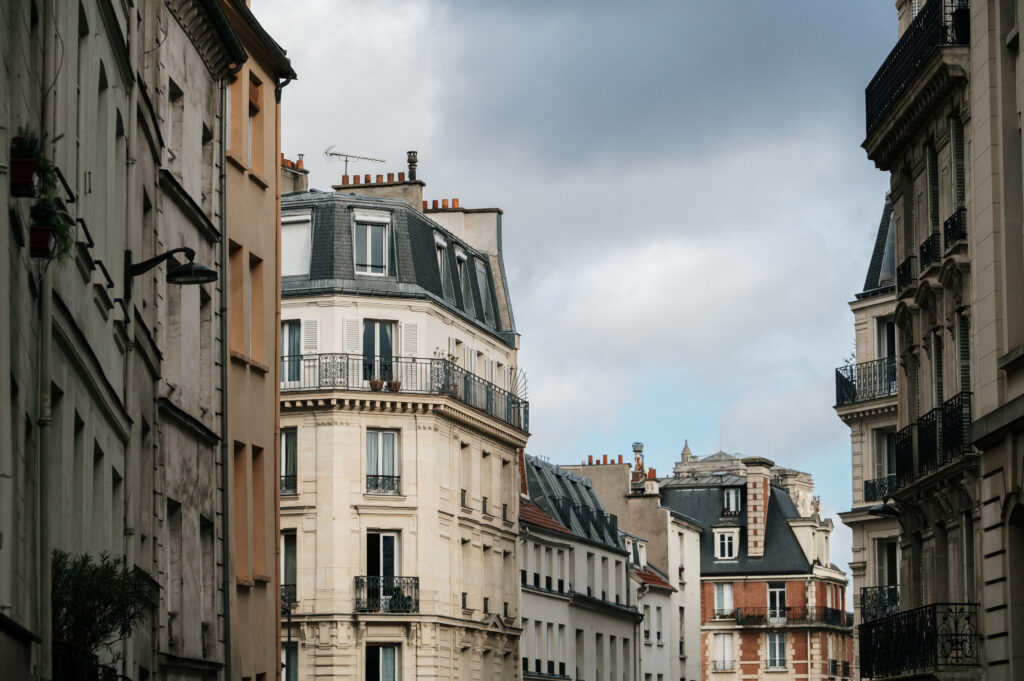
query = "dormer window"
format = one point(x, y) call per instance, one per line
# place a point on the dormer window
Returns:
point(731, 503)
point(441, 247)
point(371, 242)
point(725, 544)
point(464, 282)
point(483, 282)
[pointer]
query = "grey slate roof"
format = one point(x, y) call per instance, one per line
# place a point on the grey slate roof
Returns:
point(413, 259)
point(881, 276)
point(782, 552)
point(571, 500)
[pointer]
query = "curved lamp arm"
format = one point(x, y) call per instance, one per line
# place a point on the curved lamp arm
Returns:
point(132, 270)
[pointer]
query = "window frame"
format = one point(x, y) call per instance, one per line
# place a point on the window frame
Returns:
point(484, 283)
point(293, 433)
point(444, 269)
point(724, 605)
point(775, 655)
point(368, 219)
point(465, 282)
point(731, 494)
point(379, 456)
point(728, 538)
point(380, 667)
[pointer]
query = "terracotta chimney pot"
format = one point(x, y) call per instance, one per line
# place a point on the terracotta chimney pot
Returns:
point(605, 459)
point(366, 179)
point(401, 177)
point(380, 179)
point(620, 458)
point(444, 203)
point(355, 179)
point(590, 460)
point(424, 204)
point(434, 204)
point(455, 203)
point(391, 177)
point(344, 179)
point(298, 164)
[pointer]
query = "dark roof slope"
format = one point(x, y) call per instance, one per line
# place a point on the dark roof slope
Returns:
point(413, 267)
point(782, 552)
point(532, 514)
point(882, 268)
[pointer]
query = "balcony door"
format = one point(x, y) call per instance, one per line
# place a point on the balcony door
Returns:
point(378, 350)
point(291, 359)
point(887, 562)
point(381, 559)
point(776, 601)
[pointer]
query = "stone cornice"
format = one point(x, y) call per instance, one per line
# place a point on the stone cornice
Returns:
point(883, 406)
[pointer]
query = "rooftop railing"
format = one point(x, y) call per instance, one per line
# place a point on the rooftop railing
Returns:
point(430, 376)
point(866, 381)
point(926, 639)
point(940, 23)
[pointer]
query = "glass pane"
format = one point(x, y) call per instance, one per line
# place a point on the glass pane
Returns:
point(388, 457)
point(387, 664)
point(372, 663)
point(387, 567)
point(361, 261)
point(289, 559)
point(377, 249)
point(468, 304)
point(386, 330)
point(369, 349)
point(290, 454)
point(373, 554)
point(371, 452)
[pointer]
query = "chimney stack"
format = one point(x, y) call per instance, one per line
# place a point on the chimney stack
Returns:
point(413, 162)
point(759, 472)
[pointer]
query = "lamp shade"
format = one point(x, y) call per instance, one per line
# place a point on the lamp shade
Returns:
point(191, 273)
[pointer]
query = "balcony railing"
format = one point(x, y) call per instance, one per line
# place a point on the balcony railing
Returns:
point(793, 614)
point(906, 471)
point(289, 484)
point(879, 489)
point(906, 274)
point(926, 639)
point(383, 484)
point(931, 251)
point(955, 228)
point(288, 594)
point(879, 601)
point(387, 594)
point(723, 665)
point(929, 442)
point(866, 381)
point(956, 426)
point(939, 23)
point(430, 376)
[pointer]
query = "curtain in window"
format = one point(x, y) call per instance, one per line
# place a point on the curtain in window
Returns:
point(290, 454)
point(388, 456)
point(386, 330)
point(371, 453)
point(289, 559)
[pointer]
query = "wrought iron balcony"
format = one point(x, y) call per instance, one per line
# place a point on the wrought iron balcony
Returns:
point(289, 484)
point(879, 489)
point(793, 614)
point(906, 274)
point(387, 594)
point(927, 639)
point(430, 376)
point(956, 426)
point(929, 441)
point(931, 251)
point(955, 228)
point(906, 470)
point(940, 23)
point(288, 595)
point(879, 601)
point(723, 665)
point(383, 484)
point(866, 381)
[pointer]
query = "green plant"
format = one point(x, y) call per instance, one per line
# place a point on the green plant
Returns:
point(26, 144)
point(96, 603)
point(48, 209)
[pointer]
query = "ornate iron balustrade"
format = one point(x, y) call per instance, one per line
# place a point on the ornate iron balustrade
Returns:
point(926, 639)
point(383, 484)
point(431, 376)
point(387, 594)
point(931, 251)
point(792, 614)
point(938, 24)
point(879, 489)
point(956, 426)
point(955, 227)
point(906, 274)
point(879, 601)
point(929, 441)
point(288, 595)
point(289, 484)
point(866, 381)
point(723, 665)
point(906, 471)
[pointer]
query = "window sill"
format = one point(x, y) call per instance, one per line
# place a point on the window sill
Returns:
point(238, 357)
point(235, 160)
point(259, 366)
point(258, 179)
point(398, 497)
point(244, 581)
point(776, 670)
point(262, 579)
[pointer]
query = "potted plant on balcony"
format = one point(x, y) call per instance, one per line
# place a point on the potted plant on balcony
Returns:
point(394, 386)
point(50, 234)
point(376, 384)
point(26, 158)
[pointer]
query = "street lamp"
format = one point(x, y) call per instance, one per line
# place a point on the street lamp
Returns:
point(182, 275)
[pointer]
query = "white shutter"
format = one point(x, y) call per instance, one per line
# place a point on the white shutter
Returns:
point(351, 340)
point(410, 340)
point(296, 235)
point(310, 336)
point(490, 370)
point(467, 358)
point(451, 346)
point(410, 348)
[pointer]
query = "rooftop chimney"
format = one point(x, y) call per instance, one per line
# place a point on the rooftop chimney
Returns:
point(758, 491)
point(411, 156)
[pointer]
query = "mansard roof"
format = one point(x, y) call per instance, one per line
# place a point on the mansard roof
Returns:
point(881, 276)
point(413, 264)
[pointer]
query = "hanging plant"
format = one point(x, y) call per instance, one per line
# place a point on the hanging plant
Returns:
point(26, 158)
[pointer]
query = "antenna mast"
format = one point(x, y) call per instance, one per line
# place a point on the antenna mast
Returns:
point(330, 154)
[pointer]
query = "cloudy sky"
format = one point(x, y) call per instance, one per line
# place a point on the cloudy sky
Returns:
point(687, 206)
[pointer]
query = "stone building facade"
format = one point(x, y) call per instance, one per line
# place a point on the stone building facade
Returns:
point(943, 118)
point(400, 427)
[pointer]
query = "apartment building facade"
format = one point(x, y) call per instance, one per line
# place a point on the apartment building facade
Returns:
point(400, 426)
point(771, 602)
point(580, 618)
point(942, 117)
point(252, 126)
point(114, 410)
point(667, 543)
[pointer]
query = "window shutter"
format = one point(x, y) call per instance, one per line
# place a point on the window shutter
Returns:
point(451, 347)
point(467, 356)
point(957, 142)
point(490, 370)
point(351, 340)
point(964, 351)
point(310, 336)
point(410, 340)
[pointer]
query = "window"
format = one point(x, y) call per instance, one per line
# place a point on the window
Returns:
point(288, 567)
point(371, 242)
point(887, 562)
point(777, 650)
point(777, 601)
point(725, 544)
point(296, 237)
point(255, 130)
point(885, 452)
point(382, 462)
point(289, 461)
point(290, 659)
point(723, 600)
point(723, 652)
point(378, 350)
point(732, 500)
point(444, 270)
point(291, 353)
point(485, 292)
point(465, 283)
point(381, 663)
point(256, 308)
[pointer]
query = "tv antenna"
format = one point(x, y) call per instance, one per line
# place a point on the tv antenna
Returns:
point(330, 154)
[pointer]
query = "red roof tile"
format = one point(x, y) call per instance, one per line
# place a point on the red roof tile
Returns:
point(652, 579)
point(530, 512)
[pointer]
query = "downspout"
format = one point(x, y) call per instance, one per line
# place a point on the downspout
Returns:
point(45, 348)
point(228, 586)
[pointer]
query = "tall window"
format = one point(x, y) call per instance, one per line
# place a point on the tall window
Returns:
point(723, 651)
point(777, 649)
point(445, 272)
point(289, 461)
point(732, 500)
point(381, 663)
point(291, 352)
point(887, 562)
point(296, 237)
point(723, 600)
point(288, 567)
point(725, 544)
point(382, 462)
point(956, 143)
point(485, 292)
point(255, 129)
point(465, 283)
point(777, 601)
point(371, 245)
point(290, 658)
point(378, 349)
